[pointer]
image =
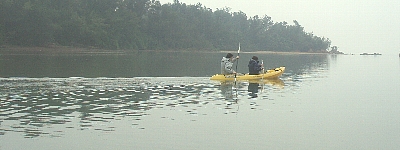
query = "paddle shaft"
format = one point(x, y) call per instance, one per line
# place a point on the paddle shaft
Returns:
point(262, 65)
point(237, 62)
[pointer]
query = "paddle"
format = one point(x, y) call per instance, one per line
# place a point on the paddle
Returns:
point(237, 62)
point(262, 76)
point(262, 65)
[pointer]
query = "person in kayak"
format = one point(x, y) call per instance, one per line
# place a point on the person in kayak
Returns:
point(227, 63)
point(254, 66)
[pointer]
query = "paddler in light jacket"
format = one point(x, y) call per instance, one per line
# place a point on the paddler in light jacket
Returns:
point(227, 63)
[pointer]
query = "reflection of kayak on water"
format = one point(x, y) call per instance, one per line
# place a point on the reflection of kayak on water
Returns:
point(253, 87)
point(256, 85)
point(269, 74)
point(274, 82)
point(227, 87)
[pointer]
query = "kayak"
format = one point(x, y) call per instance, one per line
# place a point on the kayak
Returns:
point(269, 74)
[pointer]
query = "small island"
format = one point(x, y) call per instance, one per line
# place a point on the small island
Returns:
point(334, 50)
point(370, 54)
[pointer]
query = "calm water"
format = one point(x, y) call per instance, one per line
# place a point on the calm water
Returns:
point(153, 100)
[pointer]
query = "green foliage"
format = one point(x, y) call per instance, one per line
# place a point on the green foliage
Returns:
point(1, 34)
point(146, 24)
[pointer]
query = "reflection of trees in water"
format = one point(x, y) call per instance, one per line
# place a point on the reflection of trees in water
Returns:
point(298, 64)
point(300, 67)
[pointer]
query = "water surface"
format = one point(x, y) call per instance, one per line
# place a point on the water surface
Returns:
point(119, 101)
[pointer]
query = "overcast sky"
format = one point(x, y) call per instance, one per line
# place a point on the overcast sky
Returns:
point(355, 26)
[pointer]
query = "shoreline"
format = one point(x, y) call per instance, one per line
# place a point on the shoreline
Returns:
point(274, 52)
point(80, 50)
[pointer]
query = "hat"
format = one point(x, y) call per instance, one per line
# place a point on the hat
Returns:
point(229, 55)
point(254, 57)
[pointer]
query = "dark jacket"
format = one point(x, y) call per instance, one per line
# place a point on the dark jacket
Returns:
point(254, 67)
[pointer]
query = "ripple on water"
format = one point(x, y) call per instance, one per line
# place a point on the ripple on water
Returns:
point(97, 103)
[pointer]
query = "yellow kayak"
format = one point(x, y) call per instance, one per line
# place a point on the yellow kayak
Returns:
point(269, 74)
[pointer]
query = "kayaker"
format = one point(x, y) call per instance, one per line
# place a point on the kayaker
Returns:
point(254, 66)
point(227, 63)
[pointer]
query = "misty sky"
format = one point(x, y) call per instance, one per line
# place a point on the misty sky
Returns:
point(355, 26)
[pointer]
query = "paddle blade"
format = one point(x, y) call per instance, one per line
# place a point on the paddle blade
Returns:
point(239, 49)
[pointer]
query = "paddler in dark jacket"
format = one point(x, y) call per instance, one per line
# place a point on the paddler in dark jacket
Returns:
point(254, 66)
point(227, 63)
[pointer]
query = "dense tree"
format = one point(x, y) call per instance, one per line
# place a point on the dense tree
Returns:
point(146, 24)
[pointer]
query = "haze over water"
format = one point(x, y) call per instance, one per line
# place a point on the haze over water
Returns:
point(123, 102)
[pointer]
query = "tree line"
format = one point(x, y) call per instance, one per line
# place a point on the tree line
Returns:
point(147, 25)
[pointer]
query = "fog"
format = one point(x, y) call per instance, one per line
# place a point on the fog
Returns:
point(354, 26)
